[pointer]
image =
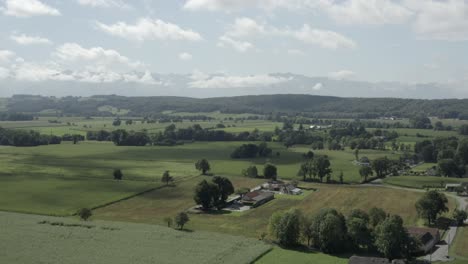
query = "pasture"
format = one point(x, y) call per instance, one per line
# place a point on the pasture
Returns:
point(420, 181)
point(29, 239)
point(154, 206)
point(280, 256)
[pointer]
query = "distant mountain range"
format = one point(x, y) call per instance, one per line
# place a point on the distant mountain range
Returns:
point(216, 85)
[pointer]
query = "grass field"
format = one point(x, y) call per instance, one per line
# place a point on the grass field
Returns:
point(280, 256)
point(154, 206)
point(420, 181)
point(25, 240)
point(98, 160)
point(62, 196)
point(461, 244)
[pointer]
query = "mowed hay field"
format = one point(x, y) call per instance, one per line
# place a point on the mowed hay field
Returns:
point(63, 196)
point(421, 181)
point(154, 206)
point(29, 239)
point(461, 244)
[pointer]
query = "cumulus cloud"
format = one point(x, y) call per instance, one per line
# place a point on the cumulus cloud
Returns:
point(247, 27)
point(238, 45)
point(441, 20)
point(6, 56)
point(367, 12)
point(317, 87)
point(28, 8)
point(30, 40)
point(234, 5)
point(342, 75)
point(200, 80)
point(99, 56)
point(185, 56)
point(149, 29)
point(103, 3)
point(324, 38)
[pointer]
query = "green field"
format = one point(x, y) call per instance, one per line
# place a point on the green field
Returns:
point(280, 256)
point(29, 239)
point(63, 196)
point(97, 160)
point(420, 181)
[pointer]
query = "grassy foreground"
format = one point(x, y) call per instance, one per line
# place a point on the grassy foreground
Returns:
point(279, 256)
point(56, 240)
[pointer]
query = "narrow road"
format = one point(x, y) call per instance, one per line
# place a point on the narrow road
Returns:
point(441, 252)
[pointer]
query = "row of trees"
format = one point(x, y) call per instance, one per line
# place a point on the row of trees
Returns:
point(23, 138)
point(247, 151)
point(331, 232)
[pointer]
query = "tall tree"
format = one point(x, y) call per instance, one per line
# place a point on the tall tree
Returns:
point(225, 187)
point(322, 167)
point(306, 169)
point(270, 171)
point(381, 166)
point(203, 165)
point(286, 227)
point(391, 237)
point(167, 178)
point(365, 172)
point(181, 219)
point(206, 194)
point(431, 205)
point(376, 216)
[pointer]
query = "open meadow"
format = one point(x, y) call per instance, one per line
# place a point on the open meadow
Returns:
point(422, 182)
point(29, 239)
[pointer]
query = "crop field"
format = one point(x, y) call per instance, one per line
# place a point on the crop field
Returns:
point(280, 256)
point(29, 239)
point(420, 181)
point(154, 206)
point(63, 196)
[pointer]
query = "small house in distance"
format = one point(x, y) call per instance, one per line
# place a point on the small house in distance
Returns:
point(257, 198)
point(452, 187)
point(372, 260)
point(428, 237)
point(281, 187)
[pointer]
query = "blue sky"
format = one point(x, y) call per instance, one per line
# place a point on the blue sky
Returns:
point(409, 41)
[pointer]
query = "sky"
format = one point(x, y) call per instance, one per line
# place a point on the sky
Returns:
point(233, 43)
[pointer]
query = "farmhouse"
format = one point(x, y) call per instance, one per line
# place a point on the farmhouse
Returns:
point(281, 187)
point(257, 198)
point(428, 237)
point(371, 260)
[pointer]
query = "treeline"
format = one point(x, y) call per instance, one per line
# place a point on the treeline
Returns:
point(15, 117)
point(312, 106)
point(331, 232)
point(24, 138)
point(450, 153)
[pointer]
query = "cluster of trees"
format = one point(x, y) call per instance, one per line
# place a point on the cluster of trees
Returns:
point(213, 194)
point(332, 232)
point(269, 172)
point(122, 137)
point(247, 151)
point(431, 205)
point(23, 138)
point(450, 153)
point(420, 122)
point(315, 166)
point(6, 116)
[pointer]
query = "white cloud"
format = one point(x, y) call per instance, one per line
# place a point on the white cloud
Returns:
point(28, 8)
point(324, 38)
point(342, 75)
point(30, 40)
point(317, 87)
point(367, 12)
point(185, 56)
point(223, 81)
point(441, 20)
point(247, 27)
point(234, 5)
point(104, 3)
point(6, 56)
point(149, 29)
point(98, 56)
point(238, 45)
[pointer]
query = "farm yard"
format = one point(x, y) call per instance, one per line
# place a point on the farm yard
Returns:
point(55, 240)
